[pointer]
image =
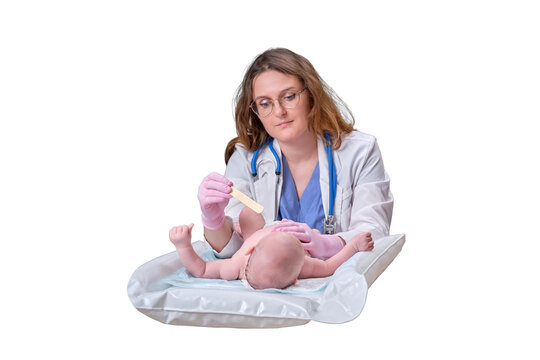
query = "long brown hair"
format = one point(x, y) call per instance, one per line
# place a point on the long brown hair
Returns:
point(328, 113)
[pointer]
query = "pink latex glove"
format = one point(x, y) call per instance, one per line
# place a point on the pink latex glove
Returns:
point(214, 195)
point(317, 245)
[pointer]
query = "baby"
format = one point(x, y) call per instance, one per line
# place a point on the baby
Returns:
point(267, 258)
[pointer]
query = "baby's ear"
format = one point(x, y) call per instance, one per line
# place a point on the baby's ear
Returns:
point(250, 250)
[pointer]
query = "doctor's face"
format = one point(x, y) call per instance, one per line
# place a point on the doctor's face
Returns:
point(284, 124)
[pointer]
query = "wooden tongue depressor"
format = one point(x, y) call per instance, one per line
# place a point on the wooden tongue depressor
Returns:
point(246, 200)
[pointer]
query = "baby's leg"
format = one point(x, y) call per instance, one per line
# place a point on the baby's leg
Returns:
point(220, 269)
point(320, 268)
point(250, 222)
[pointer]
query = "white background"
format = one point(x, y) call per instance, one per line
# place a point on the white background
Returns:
point(112, 112)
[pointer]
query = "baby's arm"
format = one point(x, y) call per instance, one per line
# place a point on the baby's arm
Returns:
point(321, 268)
point(227, 269)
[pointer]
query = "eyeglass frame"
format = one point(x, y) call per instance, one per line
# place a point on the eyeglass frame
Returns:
point(253, 104)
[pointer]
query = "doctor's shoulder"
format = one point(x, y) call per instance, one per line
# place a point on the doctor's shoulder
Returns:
point(239, 161)
point(357, 145)
point(239, 153)
point(360, 155)
point(359, 152)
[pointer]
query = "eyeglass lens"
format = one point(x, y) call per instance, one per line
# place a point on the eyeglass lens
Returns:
point(264, 106)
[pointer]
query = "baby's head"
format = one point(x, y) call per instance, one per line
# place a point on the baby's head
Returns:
point(275, 262)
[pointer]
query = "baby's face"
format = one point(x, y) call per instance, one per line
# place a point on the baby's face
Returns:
point(275, 262)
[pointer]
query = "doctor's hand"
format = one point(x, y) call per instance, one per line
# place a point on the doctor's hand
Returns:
point(214, 195)
point(317, 245)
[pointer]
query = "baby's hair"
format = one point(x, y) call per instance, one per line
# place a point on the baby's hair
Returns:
point(278, 283)
point(284, 278)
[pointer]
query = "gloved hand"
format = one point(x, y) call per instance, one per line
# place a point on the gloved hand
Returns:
point(214, 195)
point(317, 245)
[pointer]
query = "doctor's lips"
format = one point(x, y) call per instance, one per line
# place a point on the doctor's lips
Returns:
point(284, 122)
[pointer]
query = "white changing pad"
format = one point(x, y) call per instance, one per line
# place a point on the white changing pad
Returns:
point(165, 291)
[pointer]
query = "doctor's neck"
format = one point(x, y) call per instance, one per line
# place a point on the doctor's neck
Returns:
point(300, 150)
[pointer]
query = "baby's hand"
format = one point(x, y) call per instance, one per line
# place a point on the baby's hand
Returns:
point(362, 242)
point(181, 235)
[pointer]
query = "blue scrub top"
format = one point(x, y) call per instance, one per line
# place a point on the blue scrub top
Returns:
point(309, 209)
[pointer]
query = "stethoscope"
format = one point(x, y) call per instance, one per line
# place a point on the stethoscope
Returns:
point(330, 220)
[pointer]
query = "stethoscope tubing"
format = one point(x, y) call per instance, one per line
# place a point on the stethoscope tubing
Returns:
point(332, 177)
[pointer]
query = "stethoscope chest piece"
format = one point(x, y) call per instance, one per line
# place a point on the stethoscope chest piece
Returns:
point(329, 227)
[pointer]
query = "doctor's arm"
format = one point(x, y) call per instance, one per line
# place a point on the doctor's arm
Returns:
point(223, 238)
point(214, 195)
point(371, 202)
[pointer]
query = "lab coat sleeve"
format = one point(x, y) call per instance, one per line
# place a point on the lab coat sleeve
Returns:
point(237, 171)
point(372, 202)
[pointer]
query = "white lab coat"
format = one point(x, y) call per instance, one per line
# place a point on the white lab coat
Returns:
point(363, 199)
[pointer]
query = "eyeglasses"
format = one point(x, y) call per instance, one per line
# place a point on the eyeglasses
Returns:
point(264, 106)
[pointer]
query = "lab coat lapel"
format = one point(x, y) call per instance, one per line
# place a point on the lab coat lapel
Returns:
point(277, 179)
point(323, 173)
point(265, 183)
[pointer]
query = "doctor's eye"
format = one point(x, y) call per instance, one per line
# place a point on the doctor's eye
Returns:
point(264, 104)
point(288, 98)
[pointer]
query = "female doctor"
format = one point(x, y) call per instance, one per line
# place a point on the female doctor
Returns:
point(298, 155)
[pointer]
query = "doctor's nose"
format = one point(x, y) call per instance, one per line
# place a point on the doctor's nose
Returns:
point(279, 110)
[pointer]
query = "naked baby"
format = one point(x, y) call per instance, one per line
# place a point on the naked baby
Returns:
point(268, 258)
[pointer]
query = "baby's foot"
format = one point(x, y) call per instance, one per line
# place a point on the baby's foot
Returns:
point(181, 235)
point(362, 242)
